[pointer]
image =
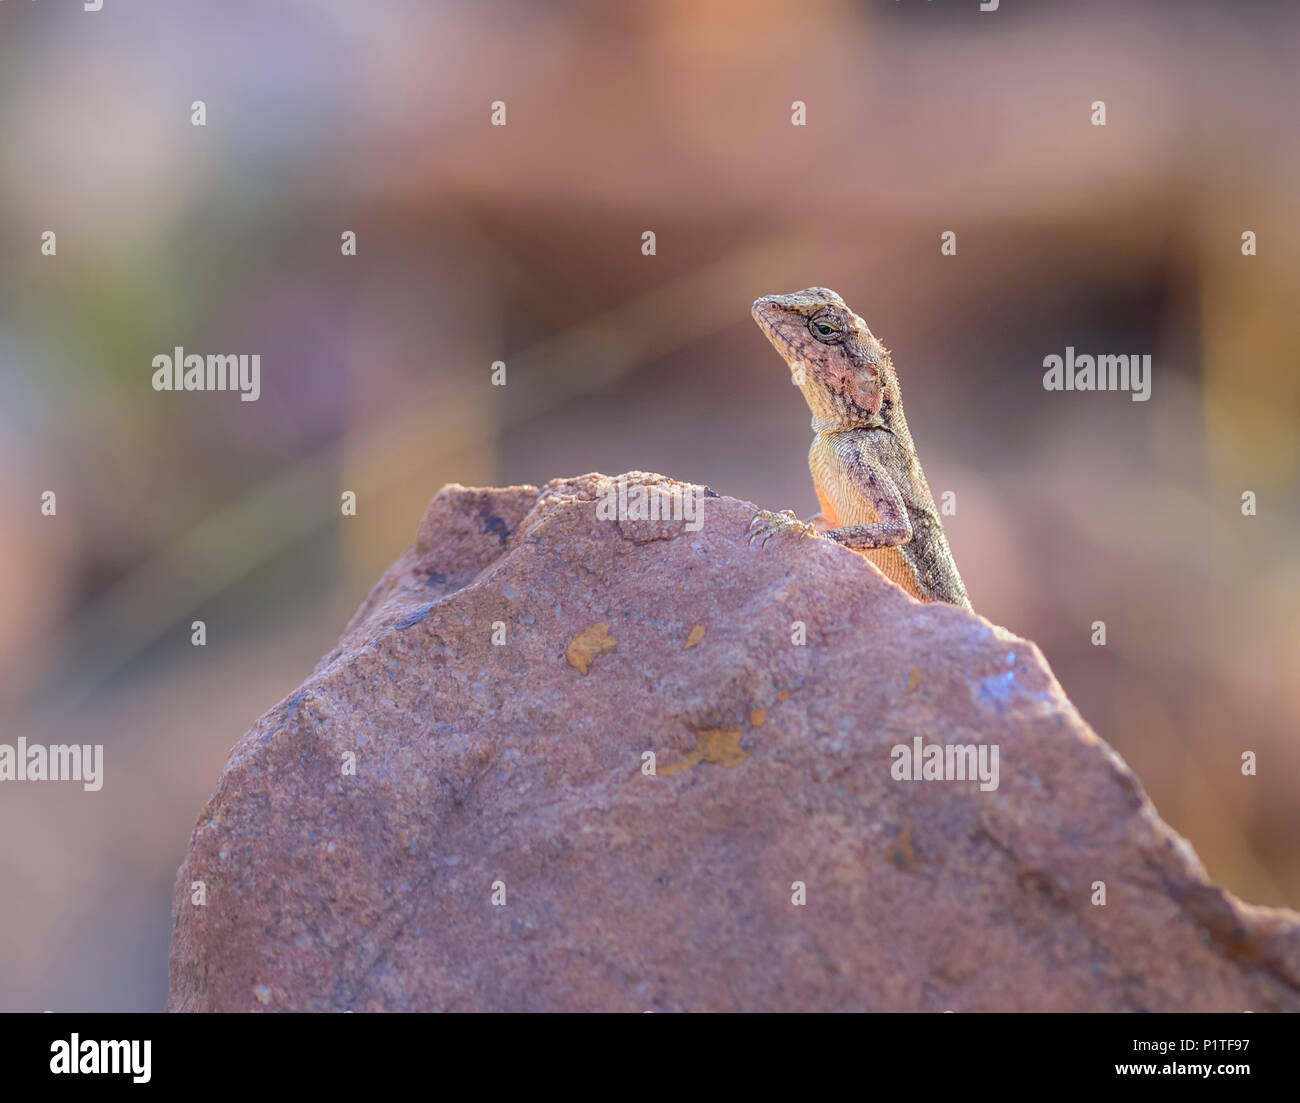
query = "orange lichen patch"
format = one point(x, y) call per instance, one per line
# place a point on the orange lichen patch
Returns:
point(697, 634)
point(718, 745)
point(914, 680)
point(587, 644)
point(757, 716)
point(722, 745)
point(783, 695)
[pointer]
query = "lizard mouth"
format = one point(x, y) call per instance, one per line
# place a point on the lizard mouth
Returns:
point(766, 313)
point(783, 326)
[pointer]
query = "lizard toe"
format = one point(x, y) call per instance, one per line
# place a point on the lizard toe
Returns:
point(767, 524)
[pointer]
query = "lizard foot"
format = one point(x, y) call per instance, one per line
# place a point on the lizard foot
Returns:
point(767, 524)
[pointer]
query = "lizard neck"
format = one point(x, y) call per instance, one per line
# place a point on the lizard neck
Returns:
point(831, 413)
point(828, 426)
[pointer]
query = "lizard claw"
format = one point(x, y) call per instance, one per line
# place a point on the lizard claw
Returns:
point(767, 524)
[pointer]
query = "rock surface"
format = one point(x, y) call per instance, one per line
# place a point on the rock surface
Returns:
point(517, 768)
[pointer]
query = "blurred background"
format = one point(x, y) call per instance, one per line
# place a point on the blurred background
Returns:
point(523, 243)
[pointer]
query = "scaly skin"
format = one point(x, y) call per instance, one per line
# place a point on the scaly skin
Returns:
point(872, 490)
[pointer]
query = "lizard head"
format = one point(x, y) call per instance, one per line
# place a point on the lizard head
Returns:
point(846, 370)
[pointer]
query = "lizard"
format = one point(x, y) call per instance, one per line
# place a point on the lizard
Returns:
point(873, 494)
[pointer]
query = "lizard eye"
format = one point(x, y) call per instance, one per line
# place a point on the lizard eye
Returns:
point(825, 330)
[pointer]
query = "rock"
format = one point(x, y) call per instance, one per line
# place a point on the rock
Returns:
point(514, 770)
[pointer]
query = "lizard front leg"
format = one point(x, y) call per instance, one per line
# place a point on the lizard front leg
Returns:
point(873, 483)
point(767, 524)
